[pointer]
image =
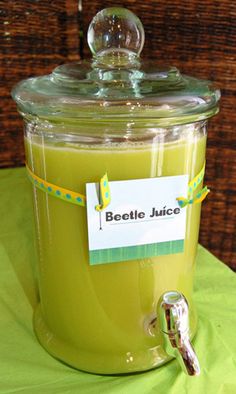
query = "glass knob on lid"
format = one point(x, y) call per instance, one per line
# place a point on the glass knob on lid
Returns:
point(116, 37)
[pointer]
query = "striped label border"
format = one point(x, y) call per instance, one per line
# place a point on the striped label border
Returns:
point(135, 252)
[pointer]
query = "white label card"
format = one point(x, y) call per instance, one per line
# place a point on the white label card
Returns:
point(142, 220)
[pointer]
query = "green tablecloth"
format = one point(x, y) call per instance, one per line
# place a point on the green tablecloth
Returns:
point(25, 367)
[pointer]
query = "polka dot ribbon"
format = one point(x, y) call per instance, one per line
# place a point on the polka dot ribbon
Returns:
point(56, 191)
point(104, 191)
point(104, 194)
point(69, 195)
point(200, 196)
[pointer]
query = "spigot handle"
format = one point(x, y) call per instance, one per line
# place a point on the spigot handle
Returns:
point(174, 325)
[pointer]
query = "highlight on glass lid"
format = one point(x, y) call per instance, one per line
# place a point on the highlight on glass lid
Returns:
point(117, 82)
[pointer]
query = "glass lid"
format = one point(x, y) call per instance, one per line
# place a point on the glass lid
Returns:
point(116, 82)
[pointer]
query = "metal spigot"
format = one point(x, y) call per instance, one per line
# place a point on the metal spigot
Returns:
point(174, 325)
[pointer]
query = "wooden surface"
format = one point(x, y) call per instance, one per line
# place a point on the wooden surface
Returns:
point(197, 36)
point(35, 36)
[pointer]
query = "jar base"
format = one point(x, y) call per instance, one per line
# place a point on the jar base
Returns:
point(102, 364)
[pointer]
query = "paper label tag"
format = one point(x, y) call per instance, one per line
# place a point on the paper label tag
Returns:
point(142, 220)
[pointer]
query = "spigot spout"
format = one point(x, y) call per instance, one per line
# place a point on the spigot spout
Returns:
point(174, 325)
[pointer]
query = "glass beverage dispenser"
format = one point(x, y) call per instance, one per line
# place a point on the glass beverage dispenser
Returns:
point(115, 151)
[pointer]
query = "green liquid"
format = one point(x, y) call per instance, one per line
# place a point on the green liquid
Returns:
point(100, 318)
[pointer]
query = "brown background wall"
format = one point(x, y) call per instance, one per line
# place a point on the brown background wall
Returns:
point(197, 36)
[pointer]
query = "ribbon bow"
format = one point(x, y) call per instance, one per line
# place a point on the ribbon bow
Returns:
point(201, 195)
point(197, 199)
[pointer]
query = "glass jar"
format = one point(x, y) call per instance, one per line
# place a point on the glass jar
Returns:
point(120, 115)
